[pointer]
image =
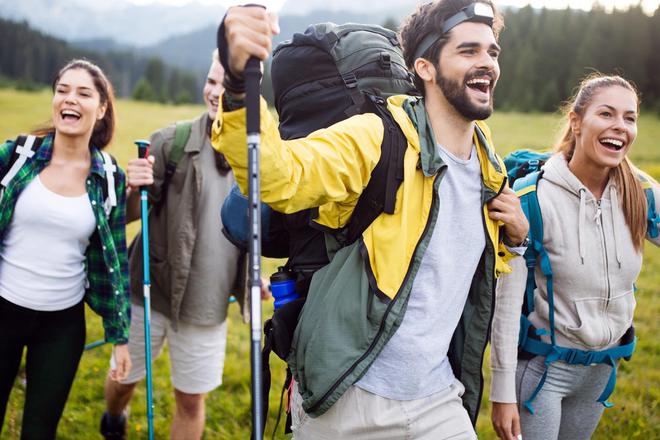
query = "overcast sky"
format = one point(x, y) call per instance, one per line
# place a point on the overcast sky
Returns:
point(648, 5)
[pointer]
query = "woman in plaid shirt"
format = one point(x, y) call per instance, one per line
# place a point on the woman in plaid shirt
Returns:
point(60, 245)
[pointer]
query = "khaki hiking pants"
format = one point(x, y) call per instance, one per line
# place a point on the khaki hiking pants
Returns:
point(361, 415)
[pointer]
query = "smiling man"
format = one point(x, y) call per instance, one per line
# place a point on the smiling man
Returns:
point(193, 267)
point(391, 339)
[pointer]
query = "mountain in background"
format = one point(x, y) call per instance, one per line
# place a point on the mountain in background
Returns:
point(31, 58)
point(192, 51)
point(146, 25)
point(119, 20)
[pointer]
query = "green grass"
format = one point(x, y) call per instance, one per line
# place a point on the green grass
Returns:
point(637, 394)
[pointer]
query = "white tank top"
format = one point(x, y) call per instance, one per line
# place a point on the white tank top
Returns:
point(42, 263)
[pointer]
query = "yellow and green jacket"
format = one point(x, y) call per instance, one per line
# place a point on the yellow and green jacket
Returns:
point(356, 303)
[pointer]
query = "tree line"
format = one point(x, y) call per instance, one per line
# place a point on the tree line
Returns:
point(30, 59)
point(545, 53)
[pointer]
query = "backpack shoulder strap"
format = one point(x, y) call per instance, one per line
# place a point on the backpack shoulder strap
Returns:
point(181, 135)
point(380, 193)
point(652, 217)
point(525, 189)
point(24, 148)
point(109, 192)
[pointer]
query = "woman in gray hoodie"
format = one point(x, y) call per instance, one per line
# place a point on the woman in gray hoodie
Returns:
point(594, 213)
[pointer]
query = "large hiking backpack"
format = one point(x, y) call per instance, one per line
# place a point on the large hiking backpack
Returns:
point(25, 147)
point(524, 170)
point(320, 77)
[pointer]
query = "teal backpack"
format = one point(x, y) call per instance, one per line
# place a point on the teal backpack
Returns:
point(524, 171)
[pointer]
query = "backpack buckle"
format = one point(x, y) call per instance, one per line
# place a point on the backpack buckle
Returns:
point(385, 61)
point(350, 80)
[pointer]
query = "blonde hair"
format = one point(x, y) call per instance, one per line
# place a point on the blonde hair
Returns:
point(625, 175)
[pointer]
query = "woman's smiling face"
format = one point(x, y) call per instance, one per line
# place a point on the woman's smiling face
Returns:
point(76, 105)
point(607, 130)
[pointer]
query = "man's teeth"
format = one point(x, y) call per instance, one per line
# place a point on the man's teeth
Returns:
point(479, 81)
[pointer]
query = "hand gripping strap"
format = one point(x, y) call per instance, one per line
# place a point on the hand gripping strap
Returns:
point(110, 170)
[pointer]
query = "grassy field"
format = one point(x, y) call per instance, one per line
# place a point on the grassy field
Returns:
point(637, 395)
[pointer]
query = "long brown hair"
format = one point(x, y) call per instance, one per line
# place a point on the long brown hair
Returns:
point(633, 199)
point(104, 129)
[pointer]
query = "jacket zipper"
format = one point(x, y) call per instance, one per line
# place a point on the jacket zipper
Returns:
point(381, 329)
point(599, 214)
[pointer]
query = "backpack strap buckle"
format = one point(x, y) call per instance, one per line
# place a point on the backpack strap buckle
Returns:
point(350, 80)
point(385, 61)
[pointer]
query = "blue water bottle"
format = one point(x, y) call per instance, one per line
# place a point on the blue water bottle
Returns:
point(283, 287)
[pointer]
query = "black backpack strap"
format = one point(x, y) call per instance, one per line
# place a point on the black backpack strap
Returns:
point(109, 186)
point(23, 152)
point(380, 193)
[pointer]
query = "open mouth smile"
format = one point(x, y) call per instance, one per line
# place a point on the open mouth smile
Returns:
point(70, 115)
point(480, 84)
point(612, 144)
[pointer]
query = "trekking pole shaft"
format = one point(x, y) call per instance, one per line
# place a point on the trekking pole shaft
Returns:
point(143, 151)
point(252, 104)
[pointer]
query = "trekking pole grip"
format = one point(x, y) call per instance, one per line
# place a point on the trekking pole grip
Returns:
point(143, 151)
point(252, 75)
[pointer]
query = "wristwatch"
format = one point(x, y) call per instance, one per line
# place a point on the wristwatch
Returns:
point(524, 243)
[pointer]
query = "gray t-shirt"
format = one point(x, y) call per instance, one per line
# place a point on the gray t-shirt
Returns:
point(414, 363)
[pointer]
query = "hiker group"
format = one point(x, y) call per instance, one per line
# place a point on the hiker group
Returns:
point(410, 243)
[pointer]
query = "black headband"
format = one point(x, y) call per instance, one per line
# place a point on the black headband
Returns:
point(476, 12)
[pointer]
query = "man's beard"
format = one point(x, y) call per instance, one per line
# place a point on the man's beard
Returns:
point(457, 96)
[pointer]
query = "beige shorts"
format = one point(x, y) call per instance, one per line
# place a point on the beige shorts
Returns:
point(361, 415)
point(197, 352)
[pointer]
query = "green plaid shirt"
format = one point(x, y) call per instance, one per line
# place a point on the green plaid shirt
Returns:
point(106, 262)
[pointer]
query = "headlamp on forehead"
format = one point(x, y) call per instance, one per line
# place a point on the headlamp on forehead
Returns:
point(476, 12)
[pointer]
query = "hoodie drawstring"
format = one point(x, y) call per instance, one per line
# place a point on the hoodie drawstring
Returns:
point(581, 220)
point(614, 200)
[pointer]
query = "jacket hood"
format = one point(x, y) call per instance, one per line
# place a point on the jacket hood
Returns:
point(557, 172)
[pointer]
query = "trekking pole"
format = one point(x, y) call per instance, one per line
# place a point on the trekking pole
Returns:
point(143, 152)
point(252, 94)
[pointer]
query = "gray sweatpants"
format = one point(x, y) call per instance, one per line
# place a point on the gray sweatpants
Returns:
point(566, 407)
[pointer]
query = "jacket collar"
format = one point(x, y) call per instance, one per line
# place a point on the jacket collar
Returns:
point(410, 114)
point(197, 135)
